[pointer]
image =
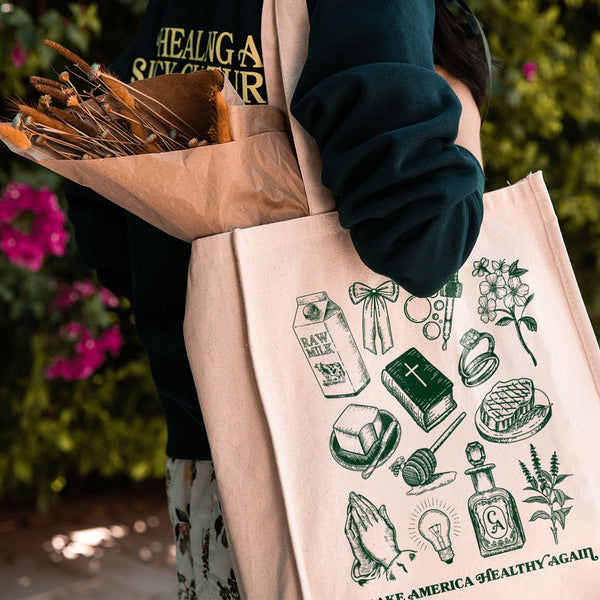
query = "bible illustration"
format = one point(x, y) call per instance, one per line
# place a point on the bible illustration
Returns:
point(421, 389)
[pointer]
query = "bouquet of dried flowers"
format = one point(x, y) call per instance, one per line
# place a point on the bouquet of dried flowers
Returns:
point(181, 151)
point(89, 113)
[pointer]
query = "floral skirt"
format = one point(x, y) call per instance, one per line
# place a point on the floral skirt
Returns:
point(204, 568)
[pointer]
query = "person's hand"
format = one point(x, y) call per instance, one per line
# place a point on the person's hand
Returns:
point(470, 120)
point(366, 563)
point(376, 532)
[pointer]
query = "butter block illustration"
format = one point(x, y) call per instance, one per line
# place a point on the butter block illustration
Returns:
point(358, 428)
point(329, 347)
point(421, 388)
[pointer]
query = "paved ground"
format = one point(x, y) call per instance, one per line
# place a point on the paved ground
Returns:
point(114, 546)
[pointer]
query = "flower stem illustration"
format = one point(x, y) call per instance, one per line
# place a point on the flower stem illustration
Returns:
point(545, 483)
point(503, 291)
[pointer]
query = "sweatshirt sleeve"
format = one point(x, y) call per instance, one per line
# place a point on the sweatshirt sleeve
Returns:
point(385, 123)
point(102, 237)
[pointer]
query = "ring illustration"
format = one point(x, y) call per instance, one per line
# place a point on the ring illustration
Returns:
point(483, 366)
point(356, 461)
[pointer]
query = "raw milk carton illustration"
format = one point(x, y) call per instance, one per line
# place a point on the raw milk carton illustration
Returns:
point(329, 347)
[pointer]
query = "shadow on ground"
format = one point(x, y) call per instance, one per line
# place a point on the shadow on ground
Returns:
point(111, 546)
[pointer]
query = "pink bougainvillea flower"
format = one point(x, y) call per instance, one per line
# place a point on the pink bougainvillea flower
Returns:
point(18, 55)
point(84, 288)
point(65, 297)
point(68, 295)
point(530, 69)
point(20, 249)
point(44, 232)
point(89, 352)
point(111, 340)
point(107, 298)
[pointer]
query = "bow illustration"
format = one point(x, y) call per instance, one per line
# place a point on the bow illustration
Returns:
point(376, 320)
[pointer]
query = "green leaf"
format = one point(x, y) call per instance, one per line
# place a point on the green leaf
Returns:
point(561, 478)
point(515, 271)
point(546, 476)
point(561, 515)
point(528, 300)
point(540, 514)
point(529, 322)
point(77, 37)
point(504, 321)
point(182, 515)
point(564, 511)
point(540, 499)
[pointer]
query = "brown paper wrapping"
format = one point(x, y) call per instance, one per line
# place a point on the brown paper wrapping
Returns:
point(252, 180)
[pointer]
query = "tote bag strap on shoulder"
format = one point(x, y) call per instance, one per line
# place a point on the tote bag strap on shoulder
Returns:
point(285, 27)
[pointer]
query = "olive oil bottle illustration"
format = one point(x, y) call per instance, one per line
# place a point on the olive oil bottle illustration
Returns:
point(493, 510)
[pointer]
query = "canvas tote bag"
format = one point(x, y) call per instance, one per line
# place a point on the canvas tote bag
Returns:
point(370, 444)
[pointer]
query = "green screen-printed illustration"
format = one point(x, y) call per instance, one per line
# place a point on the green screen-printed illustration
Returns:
point(512, 411)
point(419, 471)
point(545, 485)
point(502, 291)
point(477, 370)
point(363, 438)
point(421, 389)
point(433, 524)
point(375, 317)
point(329, 347)
point(373, 541)
point(435, 312)
point(493, 510)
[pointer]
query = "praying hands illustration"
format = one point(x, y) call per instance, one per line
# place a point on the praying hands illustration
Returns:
point(372, 538)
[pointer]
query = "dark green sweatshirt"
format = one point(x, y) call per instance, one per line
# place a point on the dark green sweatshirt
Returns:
point(385, 124)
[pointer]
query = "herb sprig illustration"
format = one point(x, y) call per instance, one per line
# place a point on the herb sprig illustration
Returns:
point(503, 291)
point(545, 483)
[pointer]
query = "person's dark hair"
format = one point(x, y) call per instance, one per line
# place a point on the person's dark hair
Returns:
point(459, 51)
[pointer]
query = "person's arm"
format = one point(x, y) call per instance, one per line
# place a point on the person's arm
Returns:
point(386, 124)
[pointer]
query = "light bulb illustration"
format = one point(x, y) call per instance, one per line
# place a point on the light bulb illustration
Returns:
point(434, 526)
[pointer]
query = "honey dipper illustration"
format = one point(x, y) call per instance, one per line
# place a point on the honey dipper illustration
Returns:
point(421, 464)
